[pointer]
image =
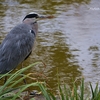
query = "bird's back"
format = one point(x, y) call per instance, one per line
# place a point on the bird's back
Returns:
point(16, 47)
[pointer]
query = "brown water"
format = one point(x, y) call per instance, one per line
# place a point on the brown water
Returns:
point(70, 42)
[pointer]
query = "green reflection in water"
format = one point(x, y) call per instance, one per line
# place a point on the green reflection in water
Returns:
point(57, 56)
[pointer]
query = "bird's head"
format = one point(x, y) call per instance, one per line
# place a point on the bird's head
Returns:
point(32, 19)
point(31, 15)
point(36, 16)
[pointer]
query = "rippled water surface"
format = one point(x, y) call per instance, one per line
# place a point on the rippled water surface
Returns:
point(69, 43)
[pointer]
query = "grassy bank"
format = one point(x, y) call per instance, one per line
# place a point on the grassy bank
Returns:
point(7, 91)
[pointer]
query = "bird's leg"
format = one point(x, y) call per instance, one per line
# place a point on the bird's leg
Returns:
point(23, 73)
point(5, 79)
point(24, 80)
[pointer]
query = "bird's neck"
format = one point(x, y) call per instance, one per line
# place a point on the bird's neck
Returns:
point(33, 23)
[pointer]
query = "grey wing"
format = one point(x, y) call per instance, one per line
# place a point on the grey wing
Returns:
point(15, 48)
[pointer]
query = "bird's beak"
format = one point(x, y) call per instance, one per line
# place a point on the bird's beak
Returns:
point(45, 17)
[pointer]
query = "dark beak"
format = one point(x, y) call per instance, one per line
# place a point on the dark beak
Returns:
point(45, 17)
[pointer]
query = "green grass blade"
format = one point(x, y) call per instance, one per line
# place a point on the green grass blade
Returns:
point(66, 92)
point(92, 90)
point(3, 75)
point(82, 89)
point(96, 91)
point(52, 96)
point(45, 93)
point(22, 89)
point(61, 93)
point(18, 81)
point(75, 92)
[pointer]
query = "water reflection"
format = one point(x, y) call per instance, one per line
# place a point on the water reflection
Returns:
point(57, 55)
point(69, 42)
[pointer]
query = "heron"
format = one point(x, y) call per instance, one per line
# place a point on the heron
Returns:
point(18, 43)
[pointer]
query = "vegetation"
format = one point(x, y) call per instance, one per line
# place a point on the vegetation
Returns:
point(65, 93)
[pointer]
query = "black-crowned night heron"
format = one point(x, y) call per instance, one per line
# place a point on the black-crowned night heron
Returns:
point(18, 43)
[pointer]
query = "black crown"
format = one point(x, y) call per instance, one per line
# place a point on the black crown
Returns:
point(31, 16)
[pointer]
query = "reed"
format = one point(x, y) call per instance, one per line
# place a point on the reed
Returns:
point(65, 93)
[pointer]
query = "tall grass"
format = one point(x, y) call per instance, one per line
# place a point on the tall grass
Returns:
point(95, 93)
point(6, 91)
point(78, 93)
point(65, 93)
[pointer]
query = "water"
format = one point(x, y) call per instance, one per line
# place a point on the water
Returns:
point(68, 44)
